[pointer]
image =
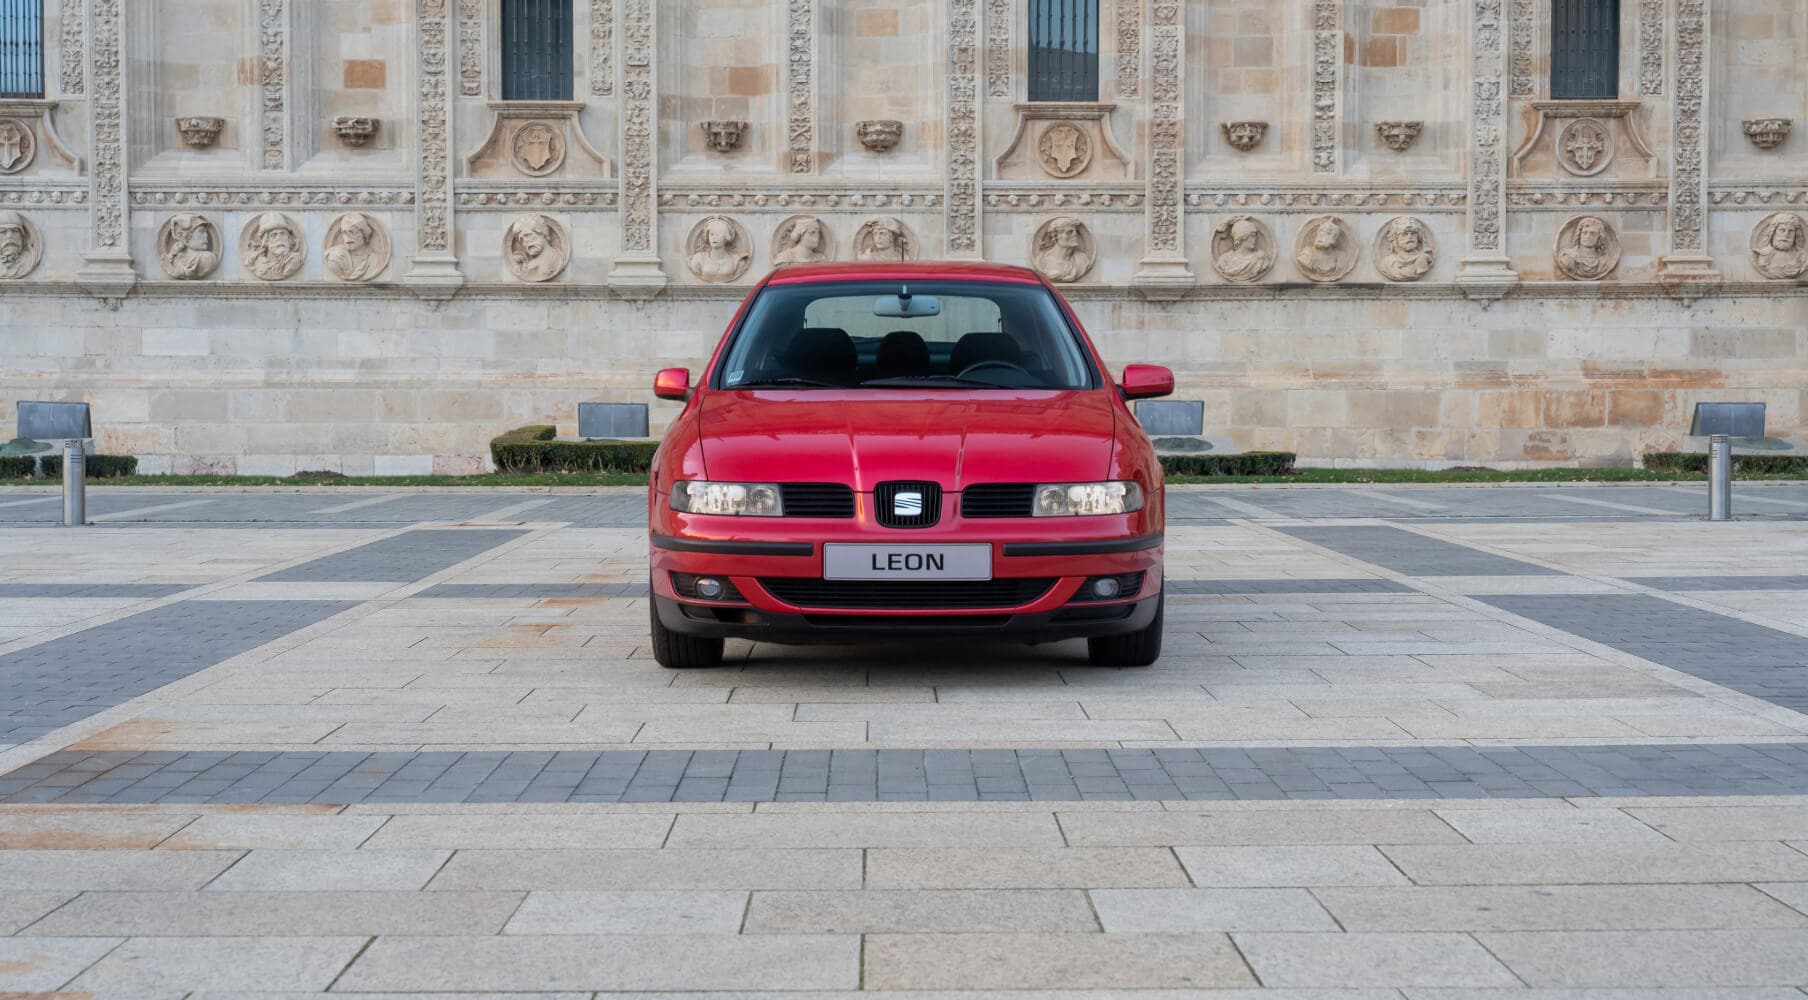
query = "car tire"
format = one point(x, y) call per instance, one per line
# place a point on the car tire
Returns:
point(1135, 649)
point(677, 651)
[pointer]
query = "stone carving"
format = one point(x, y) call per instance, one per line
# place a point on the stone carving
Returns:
point(1487, 133)
point(879, 134)
point(637, 129)
point(718, 249)
point(884, 238)
point(1166, 133)
point(1768, 133)
point(357, 247)
point(188, 247)
point(1325, 249)
point(1524, 33)
point(801, 135)
point(1063, 249)
point(73, 16)
point(724, 136)
point(200, 131)
point(1244, 136)
point(1129, 47)
point(602, 47)
point(1327, 59)
point(962, 205)
point(1399, 136)
point(1063, 150)
point(998, 47)
point(1779, 246)
point(1585, 147)
point(1587, 248)
point(18, 145)
point(20, 246)
point(1688, 188)
point(470, 47)
point(535, 248)
point(537, 149)
point(802, 239)
point(270, 247)
point(1243, 249)
point(272, 23)
point(433, 96)
point(107, 145)
point(1404, 250)
point(355, 130)
point(1651, 48)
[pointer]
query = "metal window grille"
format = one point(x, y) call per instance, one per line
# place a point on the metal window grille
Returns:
point(1064, 50)
point(1585, 49)
point(536, 50)
point(21, 48)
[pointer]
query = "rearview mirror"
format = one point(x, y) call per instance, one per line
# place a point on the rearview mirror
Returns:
point(1146, 382)
point(672, 383)
point(907, 306)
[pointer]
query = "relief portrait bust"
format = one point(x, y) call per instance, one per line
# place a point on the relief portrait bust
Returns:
point(188, 247)
point(20, 246)
point(1063, 249)
point(1779, 246)
point(357, 247)
point(1242, 249)
point(1404, 251)
point(1587, 248)
point(535, 248)
point(718, 249)
point(270, 247)
point(802, 239)
point(884, 238)
point(1325, 249)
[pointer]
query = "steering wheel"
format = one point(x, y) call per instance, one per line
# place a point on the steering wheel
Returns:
point(1002, 367)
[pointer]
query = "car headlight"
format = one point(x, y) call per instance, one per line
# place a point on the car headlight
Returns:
point(1066, 499)
point(695, 496)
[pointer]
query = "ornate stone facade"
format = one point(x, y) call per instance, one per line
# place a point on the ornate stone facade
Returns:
point(1344, 158)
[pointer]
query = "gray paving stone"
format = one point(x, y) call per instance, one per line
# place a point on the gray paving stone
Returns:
point(403, 558)
point(1363, 959)
point(243, 963)
point(43, 964)
point(1052, 962)
point(958, 911)
point(1556, 907)
point(608, 962)
point(1650, 959)
point(311, 913)
point(1413, 554)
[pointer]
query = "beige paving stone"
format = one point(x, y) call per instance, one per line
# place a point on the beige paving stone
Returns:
point(243, 963)
point(1628, 864)
point(831, 694)
point(669, 869)
point(101, 869)
point(868, 830)
point(630, 913)
point(1723, 821)
point(1052, 961)
point(1631, 959)
point(504, 831)
point(480, 734)
point(1288, 730)
point(1791, 893)
point(307, 913)
point(1342, 960)
point(243, 831)
point(1196, 910)
point(935, 713)
point(279, 869)
point(608, 962)
point(1690, 993)
point(1371, 826)
point(47, 963)
point(1550, 826)
point(1556, 907)
point(1281, 867)
point(1027, 868)
point(1007, 731)
point(18, 909)
point(955, 911)
point(87, 831)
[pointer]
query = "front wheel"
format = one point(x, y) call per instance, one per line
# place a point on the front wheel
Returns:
point(677, 651)
point(1133, 649)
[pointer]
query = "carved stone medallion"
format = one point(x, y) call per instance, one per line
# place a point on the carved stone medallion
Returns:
point(1325, 249)
point(20, 246)
point(802, 239)
point(1587, 248)
point(18, 145)
point(724, 136)
point(1244, 136)
point(884, 238)
point(200, 131)
point(1243, 249)
point(188, 247)
point(270, 247)
point(1585, 147)
point(1768, 133)
point(1779, 246)
point(879, 134)
point(357, 247)
point(1399, 136)
point(1404, 250)
point(354, 130)
point(1063, 249)
point(537, 149)
point(535, 248)
point(1063, 150)
point(718, 249)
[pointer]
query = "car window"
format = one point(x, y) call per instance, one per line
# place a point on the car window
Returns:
point(892, 335)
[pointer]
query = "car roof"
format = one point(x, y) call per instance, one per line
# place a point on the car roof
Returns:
point(918, 270)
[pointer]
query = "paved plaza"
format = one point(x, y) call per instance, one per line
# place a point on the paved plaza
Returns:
point(1414, 743)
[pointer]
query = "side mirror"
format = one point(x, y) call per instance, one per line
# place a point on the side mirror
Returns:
point(675, 383)
point(1146, 382)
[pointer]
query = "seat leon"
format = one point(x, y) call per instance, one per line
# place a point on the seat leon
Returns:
point(886, 452)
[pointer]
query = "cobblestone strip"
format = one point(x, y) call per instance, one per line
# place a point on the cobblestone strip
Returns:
point(468, 591)
point(1413, 554)
point(403, 558)
point(912, 775)
point(1680, 583)
point(145, 591)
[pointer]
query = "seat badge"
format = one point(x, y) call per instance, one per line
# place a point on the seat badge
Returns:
point(908, 504)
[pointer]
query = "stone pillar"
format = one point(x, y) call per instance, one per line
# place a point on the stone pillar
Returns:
point(800, 88)
point(1164, 264)
point(107, 266)
point(273, 83)
point(435, 266)
point(1327, 86)
point(1485, 264)
point(637, 271)
point(1688, 259)
point(962, 213)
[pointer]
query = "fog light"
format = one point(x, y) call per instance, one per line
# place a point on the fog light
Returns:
point(1105, 587)
point(709, 588)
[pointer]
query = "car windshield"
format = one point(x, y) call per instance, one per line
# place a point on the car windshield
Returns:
point(905, 335)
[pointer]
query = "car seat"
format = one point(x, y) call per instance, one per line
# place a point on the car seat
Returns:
point(901, 354)
point(822, 354)
point(986, 345)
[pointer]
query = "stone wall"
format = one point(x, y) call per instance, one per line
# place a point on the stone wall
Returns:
point(270, 235)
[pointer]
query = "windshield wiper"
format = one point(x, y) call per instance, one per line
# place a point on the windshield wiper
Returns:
point(913, 380)
point(787, 383)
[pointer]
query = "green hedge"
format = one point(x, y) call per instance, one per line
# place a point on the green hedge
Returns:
point(99, 466)
point(532, 432)
point(17, 466)
point(541, 456)
point(1249, 463)
point(1697, 463)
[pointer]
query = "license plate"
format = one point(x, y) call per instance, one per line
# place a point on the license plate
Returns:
point(906, 562)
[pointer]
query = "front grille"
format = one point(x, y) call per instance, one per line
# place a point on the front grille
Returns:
point(907, 595)
point(818, 500)
point(998, 500)
point(893, 623)
point(888, 498)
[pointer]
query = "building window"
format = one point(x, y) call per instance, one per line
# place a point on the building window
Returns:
point(536, 50)
point(21, 48)
point(1585, 49)
point(1064, 50)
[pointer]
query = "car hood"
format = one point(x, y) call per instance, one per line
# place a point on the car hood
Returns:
point(870, 437)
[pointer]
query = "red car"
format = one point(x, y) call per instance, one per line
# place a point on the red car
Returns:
point(887, 451)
